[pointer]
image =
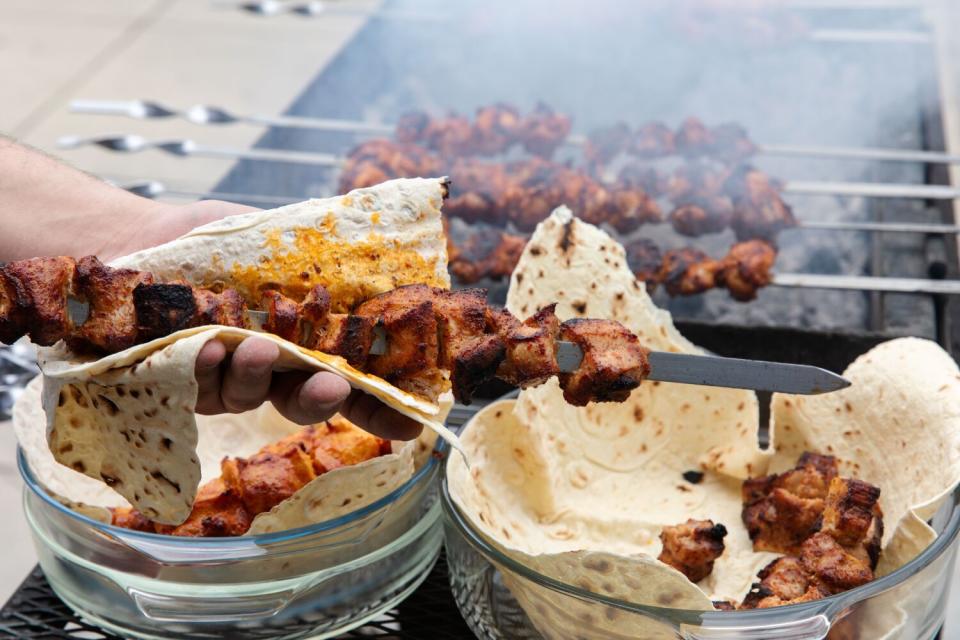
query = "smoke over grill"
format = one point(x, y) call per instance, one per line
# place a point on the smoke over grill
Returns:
point(788, 77)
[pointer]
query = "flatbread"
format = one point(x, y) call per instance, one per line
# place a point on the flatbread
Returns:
point(127, 418)
point(552, 485)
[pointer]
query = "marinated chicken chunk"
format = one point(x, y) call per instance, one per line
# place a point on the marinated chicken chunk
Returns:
point(495, 128)
point(531, 346)
point(653, 140)
point(747, 268)
point(759, 211)
point(688, 271)
point(338, 443)
point(268, 478)
point(130, 518)
point(32, 294)
point(645, 260)
point(692, 547)
point(834, 569)
point(693, 138)
point(852, 516)
point(783, 581)
point(613, 362)
point(543, 130)
point(218, 511)
point(698, 216)
point(112, 323)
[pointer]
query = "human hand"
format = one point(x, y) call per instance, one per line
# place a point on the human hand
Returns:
point(243, 380)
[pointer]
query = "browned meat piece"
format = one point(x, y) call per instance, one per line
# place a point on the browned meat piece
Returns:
point(347, 336)
point(746, 268)
point(852, 516)
point(692, 547)
point(834, 569)
point(130, 518)
point(645, 260)
point(410, 127)
point(759, 211)
point(268, 478)
point(731, 142)
point(603, 145)
point(531, 346)
point(33, 295)
point(688, 271)
point(409, 321)
point(487, 254)
point(338, 443)
point(283, 315)
point(450, 137)
point(474, 206)
point(374, 161)
point(613, 362)
point(782, 511)
point(653, 181)
point(112, 323)
point(543, 130)
point(699, 216)
point(783, 581)
point(226, 308)
point(218, 511)
point(631, 207)
point(495, 128)
point(698, 179)
point(693, 138)
point(653, 140)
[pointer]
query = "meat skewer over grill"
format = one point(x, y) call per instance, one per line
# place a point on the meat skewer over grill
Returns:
point(431, 333)
point(489, 253)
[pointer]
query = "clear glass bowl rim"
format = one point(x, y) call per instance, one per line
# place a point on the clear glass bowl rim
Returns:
point(241, 542)
point(831, 606)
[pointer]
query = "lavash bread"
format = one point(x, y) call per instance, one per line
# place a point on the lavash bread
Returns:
point(127, 418)
point(552, 485)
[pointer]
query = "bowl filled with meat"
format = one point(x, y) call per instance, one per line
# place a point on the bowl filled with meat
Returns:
point(154, 521)
point(661, 516)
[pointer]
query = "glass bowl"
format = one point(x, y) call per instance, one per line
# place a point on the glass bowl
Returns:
point(316, 581)
point(501, 598)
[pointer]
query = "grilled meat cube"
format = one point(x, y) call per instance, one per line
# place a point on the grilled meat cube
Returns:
point(782, 511)
point(218, 511)
point(645, 260)
point(374, 161)
point(410, 127)
point(613, 362)
point(693, 138)
point(474, 206)
point(316, 305)
point(487, 253)
point(653, 181)
point(283, 315)
point(852, 517)
point(466, 350)
point(112, 323)
point(543, 130)
point(495, 128)
point(227, 308)
point(33, 298)
point(347, 336)
point(130, 518)
point(268, 478)
point(451, 136)
point(783, 581)
point(632, 207)
point(697, 216)
point(162, 309)
point(746, 268)
point(603, 145)
point(692, 547)
point(409, 320)
point(688, 271)
point(531, 346)
point(759, 211)
point(653, 140)
point(337, 443)
point(834, 569)
point(731, 143)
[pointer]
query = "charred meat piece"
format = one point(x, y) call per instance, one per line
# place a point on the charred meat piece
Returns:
point(653, 140)
point(698, 216)
point(450, 137)
point(630, 207)
point(487, 253)
point(746, 268)
point(834, 569)
point(688, 271)
point(33, 296)
point(467, 351)
point(783, 581)
point(613, 362)
point(759, 211)
point(495, 129)
point(603, 145)
point(218, 511)
point(162, 309)
point(531, 346)
point(112, 323)
point(645, 260)
point(782, 511)
point(268, 478)
point(408, 318)
point(283, 315)
point(543, 130)
point(374, 161)
point(852, 516)
point(692, 547)
point(693, 138)
point(130, 518)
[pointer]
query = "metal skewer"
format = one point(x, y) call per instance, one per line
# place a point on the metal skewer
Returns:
point(154, 189)
point(212, 115)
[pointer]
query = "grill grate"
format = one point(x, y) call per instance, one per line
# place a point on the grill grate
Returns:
point(35, 612)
